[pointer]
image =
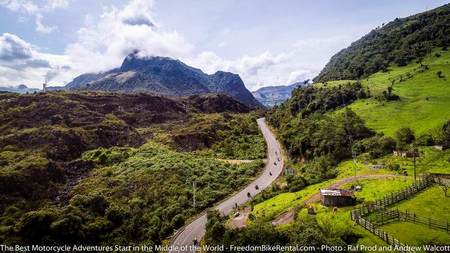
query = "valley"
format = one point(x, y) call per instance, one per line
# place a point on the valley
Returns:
point(79, 169)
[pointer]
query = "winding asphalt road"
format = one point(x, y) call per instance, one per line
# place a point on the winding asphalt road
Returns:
point(184, 240)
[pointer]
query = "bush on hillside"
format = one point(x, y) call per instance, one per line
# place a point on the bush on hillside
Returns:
point(376, 146)
point(425, 140)
point(444, 136)
point(404, 137)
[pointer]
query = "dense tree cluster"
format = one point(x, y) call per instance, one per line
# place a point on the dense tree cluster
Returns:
point(227, 136)
point(376, 146)
point(317, 139)
point(398, 42)
point(308, 100)
point(322, 135)
point(404, 137)
point(135, 196)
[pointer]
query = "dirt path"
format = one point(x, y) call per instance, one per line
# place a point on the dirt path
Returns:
point(288, 216)
point(316, 197)
point(241, 220)
point(284, 218)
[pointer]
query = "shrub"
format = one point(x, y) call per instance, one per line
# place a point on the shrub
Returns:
point(35, 225)
point(404, 136)
point(377, 146)
point(425, 140)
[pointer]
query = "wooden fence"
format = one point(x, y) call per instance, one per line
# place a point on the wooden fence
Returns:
point(365, 223)
point(390, 215)
point(395, 197)
point(357, 214)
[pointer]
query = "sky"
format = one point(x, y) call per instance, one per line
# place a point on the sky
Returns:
point(266, 42)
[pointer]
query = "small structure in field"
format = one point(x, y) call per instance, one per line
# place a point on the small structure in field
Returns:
point(439, 147)
point(337, 197)
point(356, 188)
point(406, 154)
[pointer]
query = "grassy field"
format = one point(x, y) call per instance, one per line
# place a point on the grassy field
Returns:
point(414, 234)
point(340, 223)
point(430, 160)
point(428, 203)
point(424, 98)
point(373, 189)
point(272, 207)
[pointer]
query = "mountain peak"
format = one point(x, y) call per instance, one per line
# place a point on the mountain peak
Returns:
point(135, 61)
point(166, 76)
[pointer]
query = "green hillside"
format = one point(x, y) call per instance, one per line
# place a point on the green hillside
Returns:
point(397, 43)
point(337, 130)
point(104, 168)
point(424, 97)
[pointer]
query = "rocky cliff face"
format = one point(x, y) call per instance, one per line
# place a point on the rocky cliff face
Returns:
point(165, 76)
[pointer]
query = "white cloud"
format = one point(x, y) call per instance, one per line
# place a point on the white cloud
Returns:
point(36, 9)
point(101, 44)
point(56, 4)
point(34, 6)
point(257, 70)
point(41, 28)
point(24, 6)
point(12, 48)
point(298, 63)
point(298, 75)
point(104, 41)
point(21, 62)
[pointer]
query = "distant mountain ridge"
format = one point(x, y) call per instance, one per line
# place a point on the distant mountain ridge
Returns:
point(22, 88)
point(166, 76)
point(274, 95)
